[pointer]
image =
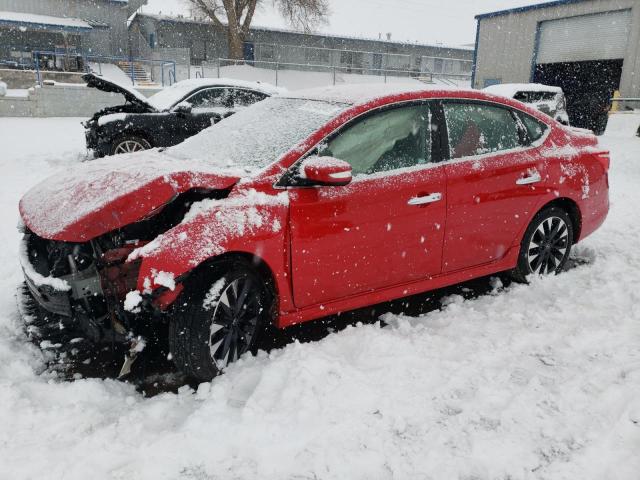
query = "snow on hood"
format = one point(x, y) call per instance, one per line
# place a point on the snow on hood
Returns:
point(104, 195)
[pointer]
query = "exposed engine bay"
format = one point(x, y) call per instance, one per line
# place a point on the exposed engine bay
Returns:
point(82, 286)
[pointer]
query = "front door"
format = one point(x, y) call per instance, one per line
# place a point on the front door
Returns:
point(493, 183)
point(386, 227)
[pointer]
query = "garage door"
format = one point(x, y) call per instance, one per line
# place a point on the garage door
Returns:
point(601, 36)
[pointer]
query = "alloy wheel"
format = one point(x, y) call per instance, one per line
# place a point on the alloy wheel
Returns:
point(235, 320)
point(129, 146)
point(548, 246)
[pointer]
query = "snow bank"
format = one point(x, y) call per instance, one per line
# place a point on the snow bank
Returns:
point(531, 382)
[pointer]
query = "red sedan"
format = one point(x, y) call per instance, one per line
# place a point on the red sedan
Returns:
point(305, 206)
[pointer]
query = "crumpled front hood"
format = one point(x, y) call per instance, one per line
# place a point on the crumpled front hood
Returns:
point(101, 196)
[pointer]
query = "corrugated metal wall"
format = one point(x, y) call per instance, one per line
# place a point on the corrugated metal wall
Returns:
point(507, 43)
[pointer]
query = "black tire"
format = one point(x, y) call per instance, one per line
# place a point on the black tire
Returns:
point(128, 144)
point(546, 245)
point(215, 320)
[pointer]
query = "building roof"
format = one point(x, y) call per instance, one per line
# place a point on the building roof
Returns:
point(164, 18)
point(538, 6)
point(43, 22)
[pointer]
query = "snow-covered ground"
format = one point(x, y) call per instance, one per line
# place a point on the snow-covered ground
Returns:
point(528, 382)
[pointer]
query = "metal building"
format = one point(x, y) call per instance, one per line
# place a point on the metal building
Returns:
point(590, 48)
point(206, 43)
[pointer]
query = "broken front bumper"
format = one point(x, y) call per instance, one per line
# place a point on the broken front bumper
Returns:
point(75, 298)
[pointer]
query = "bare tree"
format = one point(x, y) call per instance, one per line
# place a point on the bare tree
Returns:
point(235, 16)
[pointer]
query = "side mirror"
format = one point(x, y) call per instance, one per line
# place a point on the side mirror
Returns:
point(183, 108)
point(326, 171)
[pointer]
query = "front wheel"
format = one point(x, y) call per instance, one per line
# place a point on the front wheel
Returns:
point(546, 244)
point(128, 144)
point(220, 317)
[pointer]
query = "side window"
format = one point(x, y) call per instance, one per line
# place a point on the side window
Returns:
point(384, 141)
point(244, 98)
point(477, 129)
point(535, 128)
point(211, 98)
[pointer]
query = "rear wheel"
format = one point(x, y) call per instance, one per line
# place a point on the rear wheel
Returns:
point(218, 319)
point(128, 144)
point(546, 244)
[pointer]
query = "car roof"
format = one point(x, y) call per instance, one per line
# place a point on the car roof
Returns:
point(194, 83)
point(170, 96)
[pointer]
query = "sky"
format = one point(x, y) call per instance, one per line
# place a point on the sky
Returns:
point(447, 22)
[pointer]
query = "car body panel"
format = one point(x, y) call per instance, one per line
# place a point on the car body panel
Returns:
point(483, 222)
point(366, 235)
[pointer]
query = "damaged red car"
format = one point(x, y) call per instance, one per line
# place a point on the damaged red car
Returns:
point(304, 206)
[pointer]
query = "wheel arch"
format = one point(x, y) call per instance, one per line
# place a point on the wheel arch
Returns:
point(131, 131)
point(572, 209)
point(253, 261)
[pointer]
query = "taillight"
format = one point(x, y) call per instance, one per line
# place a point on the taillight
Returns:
point(604, 159)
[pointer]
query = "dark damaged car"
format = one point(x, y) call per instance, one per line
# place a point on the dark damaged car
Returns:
point(167, 117)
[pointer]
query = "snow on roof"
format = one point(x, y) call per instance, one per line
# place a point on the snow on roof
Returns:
point(510, 89)
point(43, 21)
point(526, 8)
point(354, 93)
point(168, 97)
point(185, 19)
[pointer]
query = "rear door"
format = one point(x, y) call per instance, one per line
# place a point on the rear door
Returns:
point(386, 227)
point(493, 182)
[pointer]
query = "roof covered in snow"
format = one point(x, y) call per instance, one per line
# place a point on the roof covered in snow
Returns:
point(168, 97)
point(43, 22)
point(510, 89)
point(159, 17)
point(526, 8)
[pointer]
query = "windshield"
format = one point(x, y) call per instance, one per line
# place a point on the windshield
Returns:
point(168, 97)
point(258, 135)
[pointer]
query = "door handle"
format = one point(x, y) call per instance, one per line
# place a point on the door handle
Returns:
point(432, 197)
point(533, 177)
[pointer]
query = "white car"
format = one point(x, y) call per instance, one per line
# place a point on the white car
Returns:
point(547, 99)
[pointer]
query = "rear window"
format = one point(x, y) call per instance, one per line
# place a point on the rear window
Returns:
point(535, 128)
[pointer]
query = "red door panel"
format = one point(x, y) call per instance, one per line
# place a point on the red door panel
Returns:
point(490, 200)
point(375, 232)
